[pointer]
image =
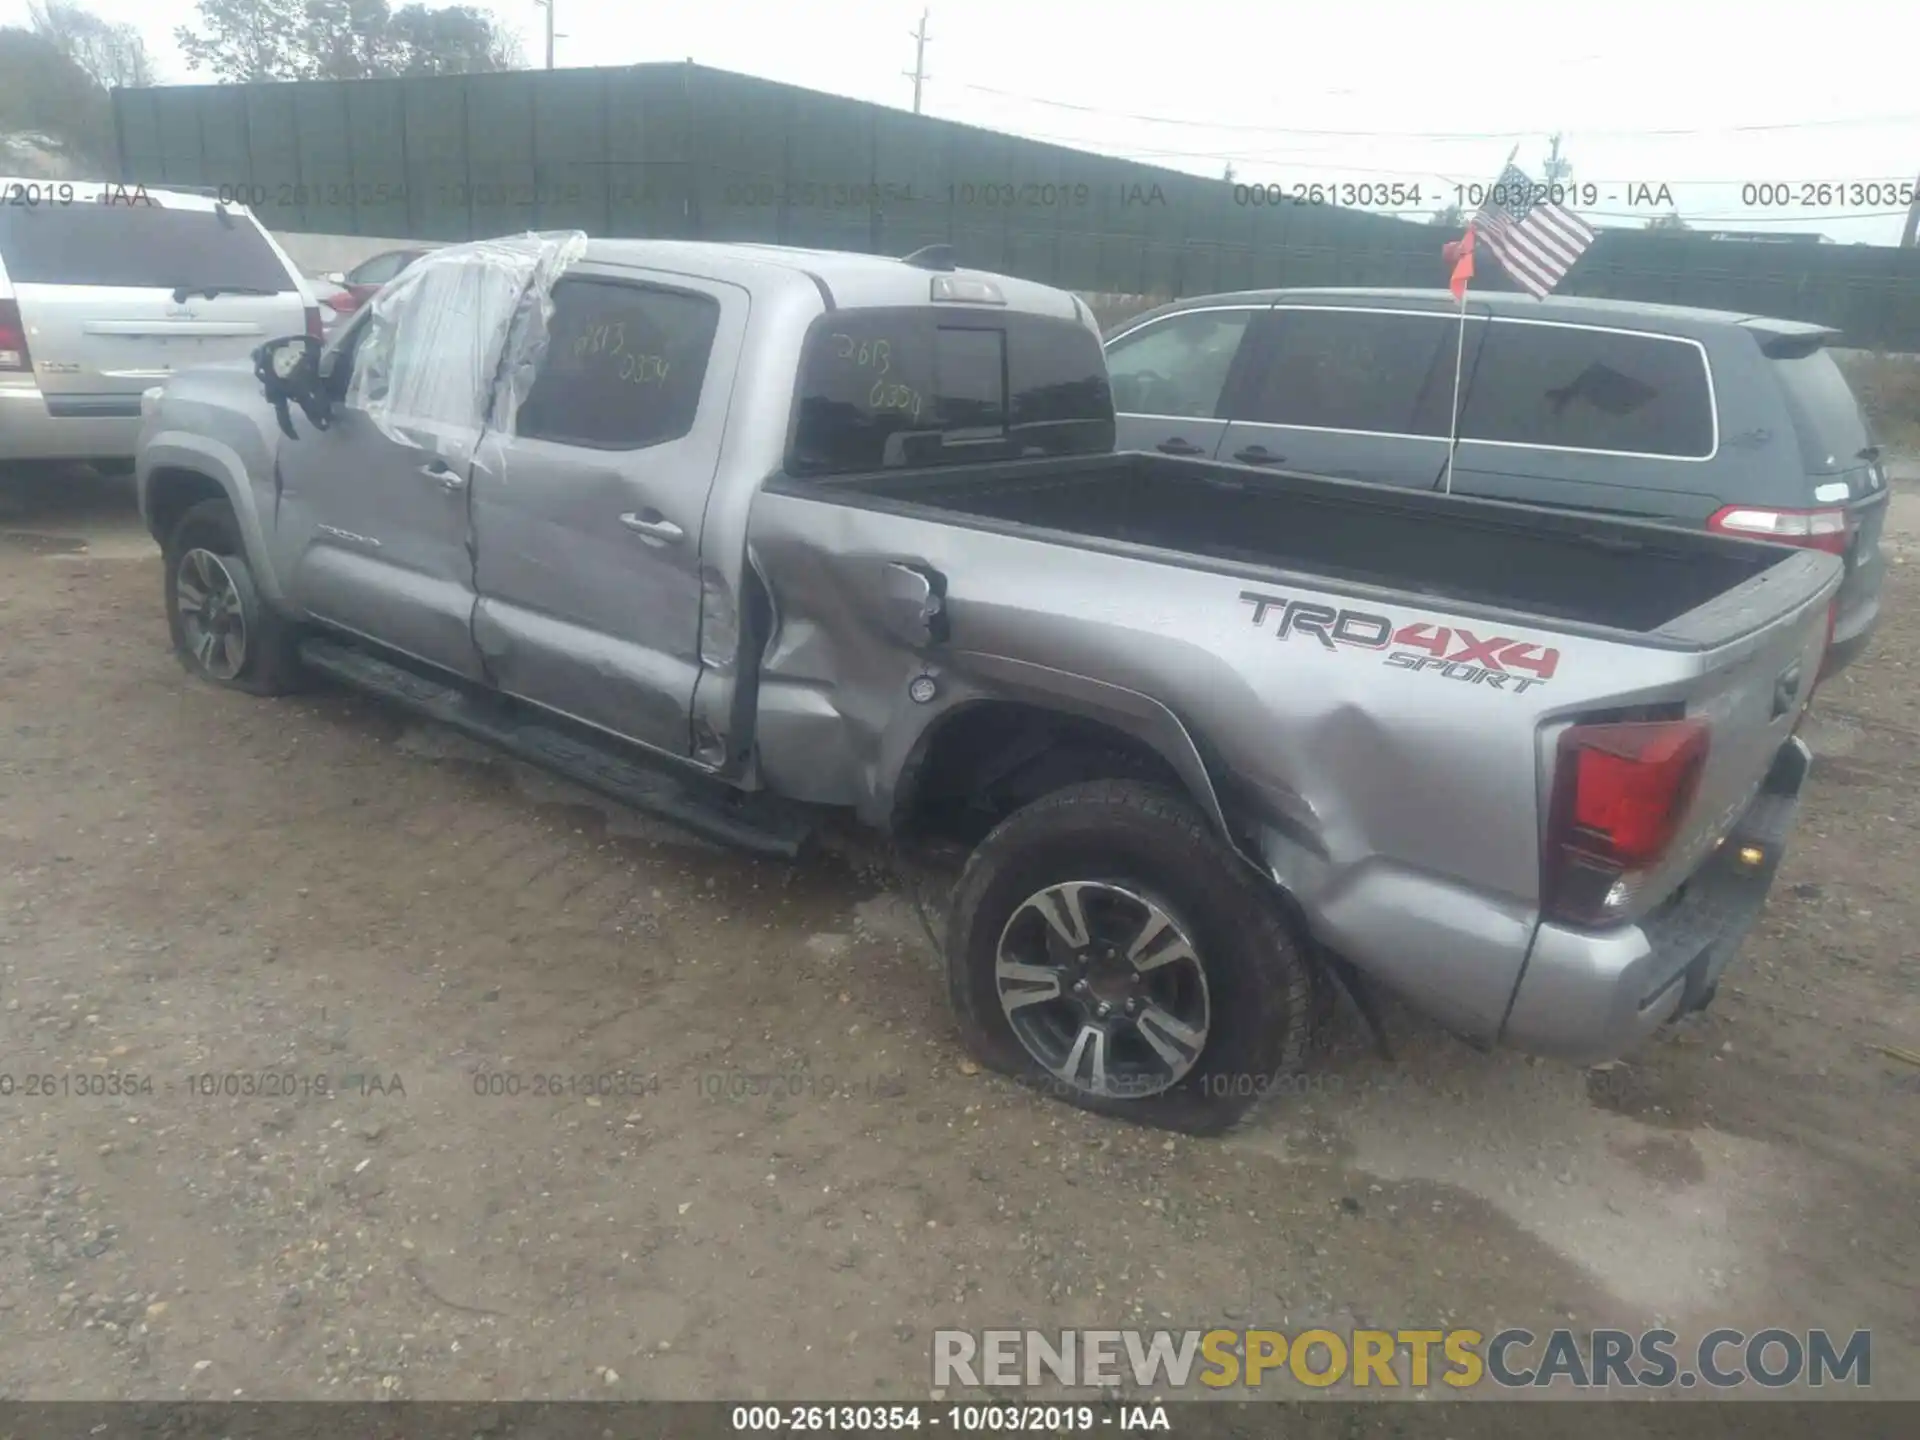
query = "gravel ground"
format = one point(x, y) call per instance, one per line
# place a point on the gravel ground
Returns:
point(204, 895)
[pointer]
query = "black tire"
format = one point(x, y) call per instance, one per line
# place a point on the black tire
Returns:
point(268, 664)
point(1259, 990)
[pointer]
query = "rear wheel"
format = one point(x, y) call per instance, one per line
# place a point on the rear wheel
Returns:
point(222, 630)
point(1106, 948)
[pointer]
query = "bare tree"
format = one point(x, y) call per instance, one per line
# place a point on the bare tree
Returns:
point(245, 39)
point(112, 55)
point(343, 40)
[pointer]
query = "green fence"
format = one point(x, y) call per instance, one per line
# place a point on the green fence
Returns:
point(680, 150)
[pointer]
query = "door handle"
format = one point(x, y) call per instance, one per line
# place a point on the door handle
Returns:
point(1178, 446)
point(653, 526)
point(1258, 455)
point(442, 473)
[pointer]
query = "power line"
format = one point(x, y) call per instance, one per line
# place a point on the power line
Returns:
point(1437, 134)
point(1290, 160)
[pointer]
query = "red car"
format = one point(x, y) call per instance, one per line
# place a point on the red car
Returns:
point(360, 284)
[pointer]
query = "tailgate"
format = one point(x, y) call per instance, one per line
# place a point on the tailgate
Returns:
point(102, 340)
point(97, 284)
point(1752, 692)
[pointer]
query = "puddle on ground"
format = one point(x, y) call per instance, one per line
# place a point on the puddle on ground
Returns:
point(1663, 1219)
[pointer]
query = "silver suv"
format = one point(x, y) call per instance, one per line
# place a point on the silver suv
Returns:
point(107, 290)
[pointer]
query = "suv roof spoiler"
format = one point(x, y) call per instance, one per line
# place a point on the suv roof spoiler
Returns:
point(1790, 339)
point(930, 257)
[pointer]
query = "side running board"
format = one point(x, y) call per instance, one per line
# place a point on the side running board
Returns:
point(762, 824)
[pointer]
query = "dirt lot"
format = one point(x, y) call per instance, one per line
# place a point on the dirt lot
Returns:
point(195, 884)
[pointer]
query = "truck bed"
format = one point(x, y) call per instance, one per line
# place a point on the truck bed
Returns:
point(1581, 569)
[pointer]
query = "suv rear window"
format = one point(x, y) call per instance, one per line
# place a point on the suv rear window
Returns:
point(148, 246)
point(1827, 419)
point(924, 386)
point(1583, 389)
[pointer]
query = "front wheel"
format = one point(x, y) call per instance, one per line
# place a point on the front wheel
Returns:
point(1106, 948)
point(222, 630)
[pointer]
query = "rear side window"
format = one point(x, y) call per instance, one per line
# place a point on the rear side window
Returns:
point(1176, 366)
point(925, 386)
point(1350, 370)
point(1827, 420)
point(147, 246)
point(1580, 389)
point(624, 365)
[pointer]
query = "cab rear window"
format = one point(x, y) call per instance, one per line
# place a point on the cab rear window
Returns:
point(884, 388)
point(148, 246)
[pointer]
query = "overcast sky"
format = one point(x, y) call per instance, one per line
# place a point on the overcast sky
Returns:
point(1704, 97)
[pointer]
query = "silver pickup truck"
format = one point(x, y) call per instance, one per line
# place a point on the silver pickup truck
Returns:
point(736, 532)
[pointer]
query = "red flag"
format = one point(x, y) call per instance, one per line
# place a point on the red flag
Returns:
point(1459, 253)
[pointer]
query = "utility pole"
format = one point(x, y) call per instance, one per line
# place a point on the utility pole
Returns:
point(1910, 232)
point(547, 5)
point(1556, 169)
point(919, 71)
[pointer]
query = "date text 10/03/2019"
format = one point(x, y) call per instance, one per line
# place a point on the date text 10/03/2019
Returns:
point(1051, 1420)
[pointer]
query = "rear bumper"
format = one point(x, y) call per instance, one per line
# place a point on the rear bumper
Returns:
point(89, 429)
point(1850, 636)
point(1594, 995)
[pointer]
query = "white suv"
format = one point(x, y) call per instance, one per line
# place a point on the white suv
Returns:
point(107, 290)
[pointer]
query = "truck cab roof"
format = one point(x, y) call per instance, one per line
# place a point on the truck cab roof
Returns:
point(844, 279)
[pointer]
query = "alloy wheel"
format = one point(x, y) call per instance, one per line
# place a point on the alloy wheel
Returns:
point(213, 622)
point(1104, 988)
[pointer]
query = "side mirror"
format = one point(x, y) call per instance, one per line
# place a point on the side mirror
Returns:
point(288, 370)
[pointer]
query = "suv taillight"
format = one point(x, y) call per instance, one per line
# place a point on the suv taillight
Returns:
point(1829, 530)
point(1620, 794)
point(316, 328)
point(13, 338)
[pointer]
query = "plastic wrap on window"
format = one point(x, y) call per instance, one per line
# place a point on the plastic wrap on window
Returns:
point(451, 345)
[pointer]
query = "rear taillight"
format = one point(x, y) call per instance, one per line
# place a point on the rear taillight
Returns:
point(344, 303)
point(316, 328)
point(1829, 530)
point(1620, 795)
point(13, 338)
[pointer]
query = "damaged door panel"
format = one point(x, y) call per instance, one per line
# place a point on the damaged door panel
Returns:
point(372, 529)
point(587, 538)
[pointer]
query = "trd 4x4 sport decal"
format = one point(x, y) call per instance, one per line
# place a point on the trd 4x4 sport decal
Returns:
point(1500, 661)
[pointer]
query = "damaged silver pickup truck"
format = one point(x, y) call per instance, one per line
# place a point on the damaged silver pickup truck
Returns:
point(736, 532)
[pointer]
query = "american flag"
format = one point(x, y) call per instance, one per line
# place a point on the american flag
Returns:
point(1536, 240)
